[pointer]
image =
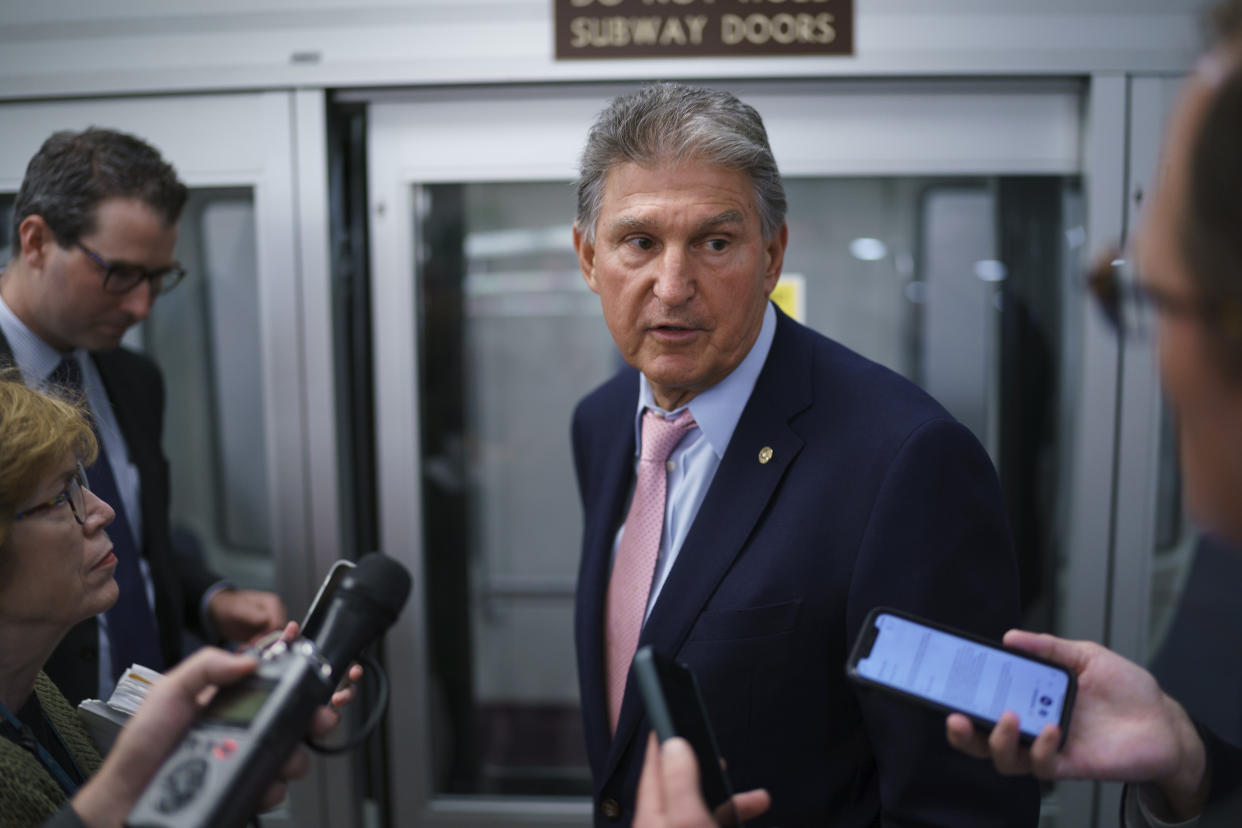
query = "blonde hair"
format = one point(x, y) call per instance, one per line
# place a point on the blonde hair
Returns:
point(37, 431)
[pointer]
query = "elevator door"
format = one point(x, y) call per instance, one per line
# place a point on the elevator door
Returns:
point(935, 227)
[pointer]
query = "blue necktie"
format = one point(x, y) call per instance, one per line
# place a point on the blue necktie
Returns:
point(132, 631)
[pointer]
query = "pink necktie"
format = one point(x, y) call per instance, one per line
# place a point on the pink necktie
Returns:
point(634, 566)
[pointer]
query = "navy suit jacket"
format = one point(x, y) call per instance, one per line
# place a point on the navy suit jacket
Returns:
point(874, 495)
point(136, 390)
point(1224, 805)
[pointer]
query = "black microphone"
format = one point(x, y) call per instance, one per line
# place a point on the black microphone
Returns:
point(217, 775)
point(365, 604)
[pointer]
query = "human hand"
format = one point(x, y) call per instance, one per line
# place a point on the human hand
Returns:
point(170, 708)
point(344, 693)
point(1124, 729)
point(668, 790)
point(245, 614)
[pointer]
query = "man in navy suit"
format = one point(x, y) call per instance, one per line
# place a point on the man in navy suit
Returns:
point(808, 487)
point(94, 228)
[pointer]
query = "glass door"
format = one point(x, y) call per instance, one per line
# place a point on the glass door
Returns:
point(935, 227)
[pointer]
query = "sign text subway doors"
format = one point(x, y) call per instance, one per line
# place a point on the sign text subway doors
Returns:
point(694, 28)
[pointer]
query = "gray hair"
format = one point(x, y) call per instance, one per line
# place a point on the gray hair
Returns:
point(672, 122)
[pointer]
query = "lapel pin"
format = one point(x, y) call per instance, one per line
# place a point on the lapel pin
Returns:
point(765, 454)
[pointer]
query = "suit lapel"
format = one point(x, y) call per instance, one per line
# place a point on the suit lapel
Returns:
point(124, 393)
point(112, 379)
point(740, 492)
point(128, 395)
point(615, 476)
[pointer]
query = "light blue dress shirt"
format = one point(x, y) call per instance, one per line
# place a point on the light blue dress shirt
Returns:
point(693, 463)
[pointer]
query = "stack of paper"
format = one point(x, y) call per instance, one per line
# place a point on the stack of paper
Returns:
point(132, 688)
point(105, 719)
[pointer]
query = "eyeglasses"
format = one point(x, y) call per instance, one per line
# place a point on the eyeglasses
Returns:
point(1128, 303)
point(122, 277)
point(73, 493)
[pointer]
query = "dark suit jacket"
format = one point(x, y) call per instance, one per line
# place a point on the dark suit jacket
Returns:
point(136, 391)
point(1223, 808)
point(1224, 805)
point(874, 495)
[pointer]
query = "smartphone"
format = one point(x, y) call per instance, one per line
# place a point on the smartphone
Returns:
point(956, 672)
point(675, 708)
point(319, 604)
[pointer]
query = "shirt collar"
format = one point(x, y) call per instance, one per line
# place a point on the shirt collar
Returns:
point(717, 410)
point(34, 357)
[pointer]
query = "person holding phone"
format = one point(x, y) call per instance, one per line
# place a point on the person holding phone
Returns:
point(1189, 257)
point(949, 671)
point(669, 795)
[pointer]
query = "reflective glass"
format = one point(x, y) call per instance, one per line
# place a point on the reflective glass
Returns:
point(960, 284)
point(510, 339)
point(206, 337)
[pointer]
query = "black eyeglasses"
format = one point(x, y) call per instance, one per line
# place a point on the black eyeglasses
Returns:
point(122, 277)
point(73, 493)
point(1128, 303)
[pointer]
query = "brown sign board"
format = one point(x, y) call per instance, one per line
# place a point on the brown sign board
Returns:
point(702, 28)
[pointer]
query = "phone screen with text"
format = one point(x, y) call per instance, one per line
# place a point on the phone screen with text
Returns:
point(963, 674)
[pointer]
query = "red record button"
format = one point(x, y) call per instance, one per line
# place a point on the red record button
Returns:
point(224, 748)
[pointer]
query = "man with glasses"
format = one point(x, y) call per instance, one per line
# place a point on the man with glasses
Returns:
point(94, 232)
point(1187, 290)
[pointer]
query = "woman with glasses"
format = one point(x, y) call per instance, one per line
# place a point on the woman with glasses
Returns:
point(56, 566)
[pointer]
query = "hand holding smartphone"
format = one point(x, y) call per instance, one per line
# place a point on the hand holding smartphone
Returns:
point(955, 672)
point(675, 708)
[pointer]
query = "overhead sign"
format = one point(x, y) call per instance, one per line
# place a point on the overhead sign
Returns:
point(700, 28)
